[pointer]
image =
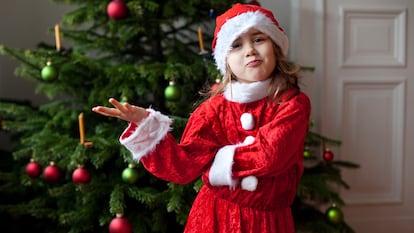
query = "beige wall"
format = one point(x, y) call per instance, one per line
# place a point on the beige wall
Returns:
point(23, 24)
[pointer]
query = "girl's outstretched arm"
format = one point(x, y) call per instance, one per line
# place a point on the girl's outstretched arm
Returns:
point(126, 112)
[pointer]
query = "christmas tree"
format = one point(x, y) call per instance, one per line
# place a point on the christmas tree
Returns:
point(68, 171)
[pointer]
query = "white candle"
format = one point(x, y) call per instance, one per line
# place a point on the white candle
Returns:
point(57, 37)
point(81, 129)
point(200, 39)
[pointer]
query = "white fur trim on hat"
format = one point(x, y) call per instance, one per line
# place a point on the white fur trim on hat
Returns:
point(240, 24)
point(147, 135)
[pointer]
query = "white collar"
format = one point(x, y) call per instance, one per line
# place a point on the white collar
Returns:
point(246, 92)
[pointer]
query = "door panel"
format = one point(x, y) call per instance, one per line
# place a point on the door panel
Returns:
point(369, 78)
point(365, 58)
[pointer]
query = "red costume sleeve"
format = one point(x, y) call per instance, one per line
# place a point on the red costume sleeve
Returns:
point(278, 144)
point(184, 162)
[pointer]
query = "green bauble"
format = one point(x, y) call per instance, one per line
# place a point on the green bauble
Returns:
point(172, 92)
point(124, 100)
point(48, 72)
point(130, 175)
point(334, 215)
point(307, 154)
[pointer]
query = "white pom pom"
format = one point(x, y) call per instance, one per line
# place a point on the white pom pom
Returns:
point(247, 121)
point(249, 183)
point(248, 140)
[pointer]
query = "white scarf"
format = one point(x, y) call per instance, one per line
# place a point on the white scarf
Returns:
point(246, 92)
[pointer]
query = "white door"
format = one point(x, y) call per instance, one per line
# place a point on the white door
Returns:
point(363, 94)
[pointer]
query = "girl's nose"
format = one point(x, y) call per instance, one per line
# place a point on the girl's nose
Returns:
point(250, 49)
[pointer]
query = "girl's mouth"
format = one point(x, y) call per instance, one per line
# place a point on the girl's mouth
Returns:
point(254, 63)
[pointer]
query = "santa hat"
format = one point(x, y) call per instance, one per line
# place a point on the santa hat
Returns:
point(238, 20)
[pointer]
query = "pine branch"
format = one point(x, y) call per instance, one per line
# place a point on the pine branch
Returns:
point(17, 55)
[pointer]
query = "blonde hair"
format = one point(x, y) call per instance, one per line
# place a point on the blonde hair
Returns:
point(284, 77)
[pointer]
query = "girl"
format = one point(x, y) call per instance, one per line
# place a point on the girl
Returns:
point(246, 140)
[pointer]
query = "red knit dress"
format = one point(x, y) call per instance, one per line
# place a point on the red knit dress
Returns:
point(274, 158)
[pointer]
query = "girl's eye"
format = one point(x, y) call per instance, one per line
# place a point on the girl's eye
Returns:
point(258, 39)
point(235, 45)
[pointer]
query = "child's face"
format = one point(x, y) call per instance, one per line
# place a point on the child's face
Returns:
point(252, 57)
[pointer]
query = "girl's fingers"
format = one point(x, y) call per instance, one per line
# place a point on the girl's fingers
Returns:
point(117, 104)
point(129, 107)
point(125, 111)
point(112, 112)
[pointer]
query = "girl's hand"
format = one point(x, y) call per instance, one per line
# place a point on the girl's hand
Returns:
point(126, 112)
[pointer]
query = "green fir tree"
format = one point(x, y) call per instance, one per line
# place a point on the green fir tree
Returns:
point(148, 55)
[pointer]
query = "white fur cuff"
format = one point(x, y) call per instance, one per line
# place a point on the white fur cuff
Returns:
point(221, 170)
point(147, 135)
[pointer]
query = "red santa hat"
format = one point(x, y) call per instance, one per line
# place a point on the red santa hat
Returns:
point(238, 20)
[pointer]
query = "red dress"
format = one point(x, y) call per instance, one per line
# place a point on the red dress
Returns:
point(274, 158)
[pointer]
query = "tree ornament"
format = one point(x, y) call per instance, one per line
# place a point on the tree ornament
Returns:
point(328, 155)
point(334, 214)
point(81, 175)
point(211, 13)
point(120, 225)
point(48, 72)
point(307, 153)
point(117, 9)
point(172, 92)
point(52, 173)
point(130, 174)
point(124, 100)
point(33, 169)
point(215, 85)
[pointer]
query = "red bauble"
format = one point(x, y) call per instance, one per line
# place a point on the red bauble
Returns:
point(117, 9)
point(328, 155)
point(52, 173)
point(215, 85)
point(81, 176)
point(33, 169)
point(120, 225)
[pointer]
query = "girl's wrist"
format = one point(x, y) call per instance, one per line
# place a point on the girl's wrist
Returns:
point(143, 113)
